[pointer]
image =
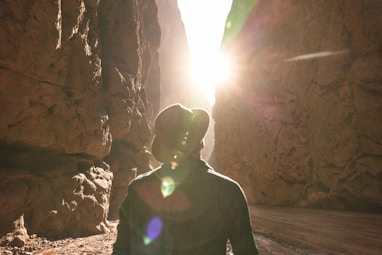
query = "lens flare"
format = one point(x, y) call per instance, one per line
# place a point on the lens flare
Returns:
point(168, 186)
point(154, 228)
point(237, 18)
point(317, 55)
point(174, 164)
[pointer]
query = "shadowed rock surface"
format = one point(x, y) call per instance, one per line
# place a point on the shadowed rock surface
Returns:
point(76, 78)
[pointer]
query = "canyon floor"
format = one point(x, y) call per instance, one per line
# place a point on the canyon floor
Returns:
point(278, 230)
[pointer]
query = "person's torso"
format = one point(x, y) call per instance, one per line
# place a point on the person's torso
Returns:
point(177, 213)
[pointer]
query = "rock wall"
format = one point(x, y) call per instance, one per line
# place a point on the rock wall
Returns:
point(311, 135)
point(78, 90)
point(175, 58)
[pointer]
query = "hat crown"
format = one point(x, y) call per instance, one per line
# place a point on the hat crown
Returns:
point(178, 131)
point(173, 118)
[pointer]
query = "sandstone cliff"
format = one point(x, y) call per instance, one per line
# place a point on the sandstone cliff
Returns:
point(78, 90)
point(311, 135)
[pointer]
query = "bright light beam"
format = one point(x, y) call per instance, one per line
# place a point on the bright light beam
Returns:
point(210, 69)
point(204, 28)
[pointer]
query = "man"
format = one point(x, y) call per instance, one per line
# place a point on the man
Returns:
point(183, 207)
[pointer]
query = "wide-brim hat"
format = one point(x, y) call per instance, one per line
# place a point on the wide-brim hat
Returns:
point(178, 132)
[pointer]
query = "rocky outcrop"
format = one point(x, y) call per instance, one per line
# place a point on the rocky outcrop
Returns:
point(308, 79)
point(78, 91)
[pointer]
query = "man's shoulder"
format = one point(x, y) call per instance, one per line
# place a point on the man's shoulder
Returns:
point(144, 176)
point(221, 178)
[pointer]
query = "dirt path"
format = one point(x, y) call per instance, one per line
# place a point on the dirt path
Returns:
point(309, 231)
point(278, 230)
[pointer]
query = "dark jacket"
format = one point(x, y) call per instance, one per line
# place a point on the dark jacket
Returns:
point(190, 210)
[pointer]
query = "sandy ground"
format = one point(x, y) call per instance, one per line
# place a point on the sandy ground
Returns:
point(278, 230)
point(309, 231)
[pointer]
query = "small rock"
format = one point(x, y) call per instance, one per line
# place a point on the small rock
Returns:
point(18, 241)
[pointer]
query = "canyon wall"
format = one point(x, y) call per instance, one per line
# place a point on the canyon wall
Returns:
point(174, 55)
point(300, 122)
point(78, 91)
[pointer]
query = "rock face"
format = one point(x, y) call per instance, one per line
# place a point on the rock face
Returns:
point(175, 58)
point(312, 136)
point(78, 89)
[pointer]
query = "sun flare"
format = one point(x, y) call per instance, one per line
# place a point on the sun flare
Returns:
point(210, 69)
point(204, 35)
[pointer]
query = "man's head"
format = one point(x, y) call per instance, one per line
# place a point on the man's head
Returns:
point(179, 131)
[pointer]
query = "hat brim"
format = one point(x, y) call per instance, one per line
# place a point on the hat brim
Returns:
point(163, 148)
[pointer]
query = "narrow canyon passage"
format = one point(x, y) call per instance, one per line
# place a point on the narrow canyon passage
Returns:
point(297, 123)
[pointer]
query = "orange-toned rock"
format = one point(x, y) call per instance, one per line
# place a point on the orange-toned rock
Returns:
point(308, 79)
point(74, 77)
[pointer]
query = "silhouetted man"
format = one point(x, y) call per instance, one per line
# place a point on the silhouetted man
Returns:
point(183, 207)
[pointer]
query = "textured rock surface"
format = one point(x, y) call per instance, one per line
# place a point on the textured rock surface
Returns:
point(313, 136)
point(76, 80)
point(175, 59)
point(131, 37)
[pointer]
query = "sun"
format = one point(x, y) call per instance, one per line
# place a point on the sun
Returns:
point(204, 29)
point(209, 69)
